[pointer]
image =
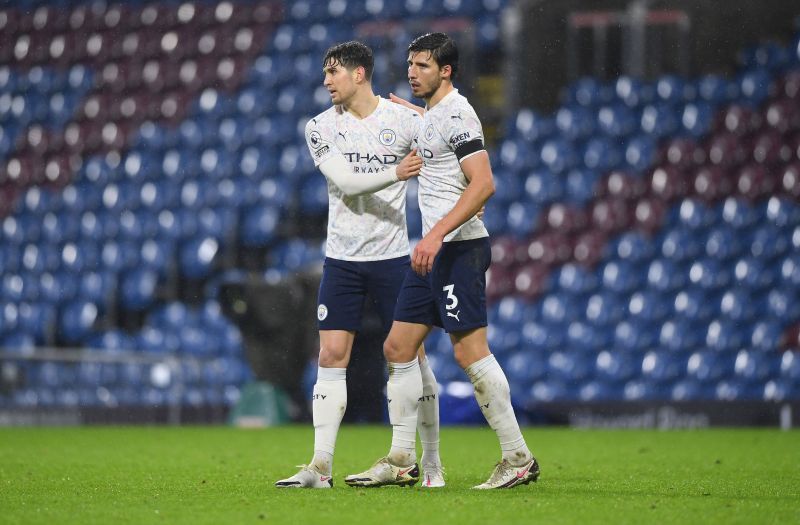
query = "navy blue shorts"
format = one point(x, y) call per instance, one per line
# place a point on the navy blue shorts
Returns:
point(453, 295)
point(345, 286)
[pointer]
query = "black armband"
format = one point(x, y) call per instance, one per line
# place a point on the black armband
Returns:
point(468, 148)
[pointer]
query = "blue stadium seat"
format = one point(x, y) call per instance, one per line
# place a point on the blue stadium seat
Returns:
point(680, 334)
point(605, 308)
point(659, 120)
point(738, 305)
point(157, 340)
point(640, 152)
point(543, 186)
point(541, 337)
point(766, 335)
point(649, 306)
point(710, 275)
point(696, 119)
point(631, 336)
point(531, 126)
point(580, 185)
point(710, 367)
point(516, 155)
point(680, 244)
point(790, 366)
point(197, 257)
point(633, 247)
point(716, 89)
point(615, 367)
point(644, 390)
point(756, 367)
point(754, 85)
point(694, 304)
point(621, 276)
point(662, 366)
point(550, 390)
point(753, 274)
point(588, 92)
point(259, 225)
point(584, 336)
point(76, 321)
point(138, 289)
point(110, 340)
point(522, 218)
point(738, 213)
point(576, 280)
point(723, 243)
point(725, 335)
point(558, 155)
point(616, 120)
point(575, 122)
point(526, 367)
point(96, 287)
point(691, 390)
point(38, 320)
point(783, 304)
point(601, 154)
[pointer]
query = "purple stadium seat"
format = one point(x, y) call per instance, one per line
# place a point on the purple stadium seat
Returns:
point(648, 215)
point(668, 183)
point(611, 215)
point(712, 183)
point(500, 282)
point(726, 149)
point(564, 219)
point(739, 120)
point(503, 251)
point(790, 180)
point(621, 184)
point(549, 248)
point(755, 181)
point(770, 149)
point(683, 153)
point(531, 280)
point(589, 247)
point(783, 115)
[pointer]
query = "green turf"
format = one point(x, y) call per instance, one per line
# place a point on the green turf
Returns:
point(225, 475)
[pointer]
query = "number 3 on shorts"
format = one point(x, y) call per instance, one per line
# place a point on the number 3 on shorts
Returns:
point(452, 300)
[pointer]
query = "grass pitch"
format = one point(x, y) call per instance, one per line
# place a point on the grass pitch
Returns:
point(225, 475)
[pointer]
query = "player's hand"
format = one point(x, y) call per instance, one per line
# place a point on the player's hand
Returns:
point(425, 253)
point(403, 102)
point(409, 166)
point(480, 213)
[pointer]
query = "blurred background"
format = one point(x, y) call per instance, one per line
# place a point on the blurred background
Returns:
point(162, 222)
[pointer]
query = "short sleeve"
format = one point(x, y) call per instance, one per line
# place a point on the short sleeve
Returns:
point(319, 140)
point(463, 132)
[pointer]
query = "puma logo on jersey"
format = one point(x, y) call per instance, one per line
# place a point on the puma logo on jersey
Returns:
point(455, 315)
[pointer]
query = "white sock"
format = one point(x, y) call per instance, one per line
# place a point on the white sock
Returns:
point(428, 416)
point(328, 406)
point(494, 397)
point(403, 391)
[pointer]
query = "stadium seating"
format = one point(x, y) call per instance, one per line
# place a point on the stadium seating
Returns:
point(645, 235)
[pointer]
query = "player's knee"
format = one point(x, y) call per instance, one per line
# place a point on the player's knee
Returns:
point(333, 357)
point(395, 352)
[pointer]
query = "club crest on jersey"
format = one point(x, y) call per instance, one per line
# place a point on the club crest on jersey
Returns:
point(316, 139)
point(322, 312)
point(387, 137)
point(429, 132)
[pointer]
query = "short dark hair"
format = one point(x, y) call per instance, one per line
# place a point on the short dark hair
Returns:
point(441, 47)
point(351, 55)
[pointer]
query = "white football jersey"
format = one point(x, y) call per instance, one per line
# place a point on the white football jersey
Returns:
point(369, 227)
point(450, 127)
